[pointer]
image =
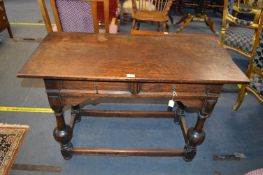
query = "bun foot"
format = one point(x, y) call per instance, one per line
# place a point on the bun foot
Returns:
point(66, 151)
point(190, 152)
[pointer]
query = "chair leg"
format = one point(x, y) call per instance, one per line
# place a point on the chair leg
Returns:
point(182, 19)
point(171, 18)
point(133, 24)
point(158, 26)
point(240, 98)
point(138, 25)
point(187, 22)
point(210, 24)
point(10, 31)
point(165, 27)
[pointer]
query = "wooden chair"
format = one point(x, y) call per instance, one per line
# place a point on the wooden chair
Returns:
point(147, 33)
point(242, 32)
point(4, 23)
point(151, 10)
point(75, 15)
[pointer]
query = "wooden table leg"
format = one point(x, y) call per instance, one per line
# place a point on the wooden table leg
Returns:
point(180, 119)
point(76, 112)
point(75, 116)
point(180, 111)
point(196, 135)
point(62, 133)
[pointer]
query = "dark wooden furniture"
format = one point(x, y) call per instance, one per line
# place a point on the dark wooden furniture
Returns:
point(154, 11)
point(200, 15)
point(207, 4)
point(4, 23)
point(80, 68)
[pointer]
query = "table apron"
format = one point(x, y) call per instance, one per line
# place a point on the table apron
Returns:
point(72, 93)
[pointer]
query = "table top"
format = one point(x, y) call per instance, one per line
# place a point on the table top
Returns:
point(181, 58)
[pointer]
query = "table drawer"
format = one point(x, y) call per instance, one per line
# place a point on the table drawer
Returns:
point(168, 87)
point(96, 86)
point(141, 87)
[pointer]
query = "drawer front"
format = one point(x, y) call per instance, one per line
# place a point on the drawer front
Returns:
point(73, 92)
point(95, 86)
point(133, 87)
point(168, 87)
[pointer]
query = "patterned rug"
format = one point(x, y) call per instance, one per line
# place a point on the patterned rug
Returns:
point(11, 138)
point(255, 172)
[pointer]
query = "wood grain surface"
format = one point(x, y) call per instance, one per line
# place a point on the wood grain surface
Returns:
point(101, 57)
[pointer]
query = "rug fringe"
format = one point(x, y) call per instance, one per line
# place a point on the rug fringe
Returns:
point(13, 125)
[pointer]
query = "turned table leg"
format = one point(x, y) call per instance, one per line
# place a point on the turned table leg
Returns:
point(63, 132)
point(196, 134)
point(75, 111)
point(180, 111)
